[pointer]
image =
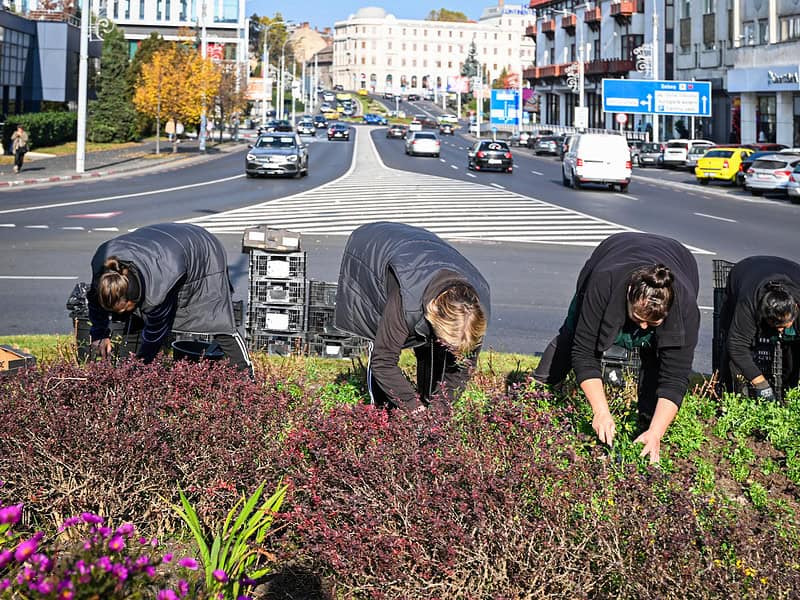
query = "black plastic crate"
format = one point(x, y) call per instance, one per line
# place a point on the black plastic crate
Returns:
point(722, 268)
point(629, 365)
point(768, 356)
point(321, 293)
point(276, 344)
point(278, 318)
point(273, 265)
point(283, 291)
point(124, 337)
point(321, 320)
point(336, 347)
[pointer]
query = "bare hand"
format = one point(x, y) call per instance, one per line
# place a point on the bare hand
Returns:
point(605, 428)
point(652, 445)
point(102, 347)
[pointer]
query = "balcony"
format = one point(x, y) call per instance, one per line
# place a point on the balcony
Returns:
point(551, 71)
point(596, 67)
point(530, 31)
point(530, 73)
point(621, 66)
point(549, 28)
point(568, 22)
point(593, 17)
point(623, 11)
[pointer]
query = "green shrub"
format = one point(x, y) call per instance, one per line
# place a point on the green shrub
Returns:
point(44, 129)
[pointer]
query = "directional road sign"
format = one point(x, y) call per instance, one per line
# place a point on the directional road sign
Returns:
point(644, 96)
point(504, 107)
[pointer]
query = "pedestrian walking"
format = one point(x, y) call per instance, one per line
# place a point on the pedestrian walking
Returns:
point(174, 276)
point(19, 147)
point(762, 302)
point(404, 287)
point(637, 290)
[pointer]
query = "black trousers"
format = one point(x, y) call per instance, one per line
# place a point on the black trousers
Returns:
point(19, 156)
point(556, 363)
point(235, 351)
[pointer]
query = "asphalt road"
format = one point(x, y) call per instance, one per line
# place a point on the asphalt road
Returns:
point(531, 282)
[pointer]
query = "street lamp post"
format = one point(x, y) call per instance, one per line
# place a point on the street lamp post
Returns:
point(204, 53)
point(655, 64)
point(282, 80)
point(83, 83)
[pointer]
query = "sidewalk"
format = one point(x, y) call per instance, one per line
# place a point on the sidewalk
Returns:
point(41, 168)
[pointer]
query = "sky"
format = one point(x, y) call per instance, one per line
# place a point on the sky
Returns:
point(324, 13)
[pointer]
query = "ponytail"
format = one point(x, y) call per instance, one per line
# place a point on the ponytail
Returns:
point(112, 287)
point(650, 292)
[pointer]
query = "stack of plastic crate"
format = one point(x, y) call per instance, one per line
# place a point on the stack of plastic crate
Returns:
point(324, 339)
point(276, 308)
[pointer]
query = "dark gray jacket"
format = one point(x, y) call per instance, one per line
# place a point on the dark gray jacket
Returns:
point(177, 263)
point(739, 322)
point(602, 304)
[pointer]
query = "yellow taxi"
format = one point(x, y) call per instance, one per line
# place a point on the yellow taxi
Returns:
point(331, 115)
point(363, 92)
point(720, 163)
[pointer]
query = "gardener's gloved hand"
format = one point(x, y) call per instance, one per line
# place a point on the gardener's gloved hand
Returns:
point(764, 391)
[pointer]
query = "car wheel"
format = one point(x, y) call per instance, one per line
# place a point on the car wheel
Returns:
point(575, 183)
point(794, 199)
point(250, 175)
point(611, 186)
point(702, 181)
point(623, 188)
point(564, 180)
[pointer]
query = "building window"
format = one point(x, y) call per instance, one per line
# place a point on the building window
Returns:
point(167, 11)
point(766, 118)
point(390, 45)
point(141, 10)
point(403, 46)
point(424, 47)
point(763, 31)
point(373, 60)
point(403, 62)
point(790, 28)
point(363, 60)
point(438, 47)
point(414, 47)
point(414, 62)
point(389, 61)
point(553, 116)
point(629, 43)
point(449, 64)
point(158, 10)
point(686, 10)
point(425, 33)
point(596, 50)
point(572, 53)
point(708, 7)
point(182, 16)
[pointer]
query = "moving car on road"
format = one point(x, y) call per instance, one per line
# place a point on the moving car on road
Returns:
point(396, 130)
point(490, 155)
point(374, 119)
point(447, 118)
point(651, 154)
point(423, 143)
point(320, 122)
point(720, 164)
point(415, 125)
point(277, 154)
point(547, 144)
point(771, 173)
point(339, 131)
point(519, 139)
point(306, 127)
point(597, 158)
point(446, 129)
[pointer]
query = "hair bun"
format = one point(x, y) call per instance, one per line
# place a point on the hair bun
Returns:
point(112, 263)
point(659, 277)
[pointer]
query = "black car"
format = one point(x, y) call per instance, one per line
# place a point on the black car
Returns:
point(446, 129)
point(320, 122)
point(284, 126)
point(490, 155)
point(338, 87)
point(306, 127)
point(268, 127)
point(396, 131)
point(339, 131)
point(413, 97)
point(277, 154)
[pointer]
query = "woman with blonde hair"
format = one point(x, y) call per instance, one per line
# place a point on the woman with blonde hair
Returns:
point(404, 287)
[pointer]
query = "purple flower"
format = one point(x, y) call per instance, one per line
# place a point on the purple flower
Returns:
point(220, 576)
point(5, 584)
point(45, 587)
point(125, 529)
point(28, 547)
point(104, 563)
point(150, 571)
point(81, 568)
point(183, 587)
point(120, 572)
point(45, 564)
point(167, 595)
point(92, 519)
point(5, 557)
point(167, 558)
point(243, 598)
point(11, 514)
point(189, 563)
point(143, 540)
point(71, 522)
point(116, 543)
point(143, 560)
point(104, 531)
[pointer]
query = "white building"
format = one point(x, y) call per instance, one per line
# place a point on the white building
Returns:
point(375, 50)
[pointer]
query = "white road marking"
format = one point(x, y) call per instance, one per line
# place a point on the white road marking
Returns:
point(716, 218)
point(537, 173)
point(627, 197)
point(454, 167)
point(37, 226)
point(120, 197)
point(42, 277)
point(7, 225)
point(497, 185)
point(105, 229)
point(471, 175)
point(76, 228)
point(442, 160)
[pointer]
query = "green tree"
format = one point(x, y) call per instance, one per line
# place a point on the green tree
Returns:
point(501, 83)
point(447, 15)
point(112, 117)
point(276, 31)
point(471, 65)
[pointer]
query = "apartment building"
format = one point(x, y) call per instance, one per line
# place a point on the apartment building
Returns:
point(750, 51)
point(375, 50)
point(612, 38)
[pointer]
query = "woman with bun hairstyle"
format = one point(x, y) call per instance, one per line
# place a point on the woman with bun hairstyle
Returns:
point(636, 290)
point(175, 276)
point(762, 301)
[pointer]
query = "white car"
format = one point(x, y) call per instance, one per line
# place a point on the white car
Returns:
point(676, 151)
point(329, 97)
point(793, 186)
point(771, 173)
point(423, 142)
point(597, 158)
point(415, 125)
point(452, 119)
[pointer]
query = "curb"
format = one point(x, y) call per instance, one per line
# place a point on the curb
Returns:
point(690, 187)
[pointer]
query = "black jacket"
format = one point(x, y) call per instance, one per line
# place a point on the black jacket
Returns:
point(389, 271)
point(602, 307)
point(184, 275)
point(739, 320)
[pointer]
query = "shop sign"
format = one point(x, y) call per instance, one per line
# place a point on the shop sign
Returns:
point(765, 79)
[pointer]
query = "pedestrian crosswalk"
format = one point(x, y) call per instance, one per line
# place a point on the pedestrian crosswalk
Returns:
point(453, 209)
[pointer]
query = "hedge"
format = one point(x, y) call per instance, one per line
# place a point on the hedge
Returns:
point(44, 129)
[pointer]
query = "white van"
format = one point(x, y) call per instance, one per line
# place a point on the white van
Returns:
point(676, 151)
point(597, 158)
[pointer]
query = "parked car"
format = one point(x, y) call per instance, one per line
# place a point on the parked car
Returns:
point(423, 143)
point(490, 155)
point(793, 186)
point(539, 134)
point(651, 154)
point(771, 173)
point(597, 158)
point(547, 144)
point(676, 151)
point(519, 139)
point(339, 131)
point(746, 163)
point(446, 129)
point(277, 154)
point(396, 130)
point(306, 127)
point(720, 164)
point(320, 122)
point(329, 97)
point(766, 147)
point(696, 152)
point(563, 147)
point(635, 147)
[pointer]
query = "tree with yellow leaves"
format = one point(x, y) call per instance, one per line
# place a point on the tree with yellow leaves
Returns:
point(177, 83)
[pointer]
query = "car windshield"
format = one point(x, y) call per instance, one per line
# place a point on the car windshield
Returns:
point(651, 147)
point(274, 142)
point(719, 154)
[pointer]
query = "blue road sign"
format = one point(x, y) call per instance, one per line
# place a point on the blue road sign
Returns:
point(644, 96)
point(504, 107)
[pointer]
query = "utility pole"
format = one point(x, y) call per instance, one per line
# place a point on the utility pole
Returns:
point(294, 82)
point(655, 64)
point(265, 75)
point(204, 54)
point(479, 103)
point(83, 84)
